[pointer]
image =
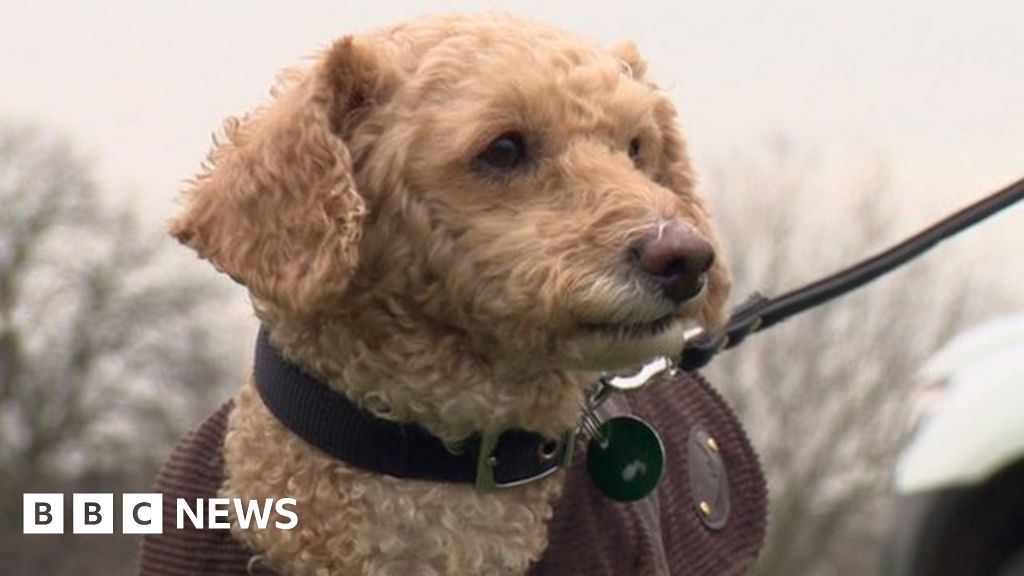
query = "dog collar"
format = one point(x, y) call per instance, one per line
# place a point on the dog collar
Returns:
point(331, 422)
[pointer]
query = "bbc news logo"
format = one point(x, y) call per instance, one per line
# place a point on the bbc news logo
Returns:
point(144, 513)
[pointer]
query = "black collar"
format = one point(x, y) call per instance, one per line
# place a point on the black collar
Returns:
point(331, 422)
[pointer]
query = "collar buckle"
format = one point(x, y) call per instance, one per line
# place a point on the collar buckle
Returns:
point(489, 460)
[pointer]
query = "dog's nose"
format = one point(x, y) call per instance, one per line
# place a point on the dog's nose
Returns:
point(677, 258)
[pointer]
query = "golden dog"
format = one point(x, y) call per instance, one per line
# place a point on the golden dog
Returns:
point(455, 222)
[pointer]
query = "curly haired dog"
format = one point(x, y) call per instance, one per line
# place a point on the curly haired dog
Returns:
point(456, 222)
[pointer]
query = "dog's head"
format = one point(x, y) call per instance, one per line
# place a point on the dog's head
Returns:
point(486, 178)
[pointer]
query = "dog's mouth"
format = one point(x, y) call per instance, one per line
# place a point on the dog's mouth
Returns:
point(630, 331)
point(629, 327)
point(611, 346)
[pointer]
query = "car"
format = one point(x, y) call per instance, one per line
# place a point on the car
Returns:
point(960, 480)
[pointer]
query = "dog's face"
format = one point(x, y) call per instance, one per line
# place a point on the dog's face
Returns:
point(490, 178)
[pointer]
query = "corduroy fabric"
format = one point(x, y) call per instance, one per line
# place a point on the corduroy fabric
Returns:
point(195, 470)
point(590, 535)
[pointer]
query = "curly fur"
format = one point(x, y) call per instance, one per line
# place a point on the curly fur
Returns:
point(384, 261)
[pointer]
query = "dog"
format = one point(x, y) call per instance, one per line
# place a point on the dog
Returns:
point(456, 223)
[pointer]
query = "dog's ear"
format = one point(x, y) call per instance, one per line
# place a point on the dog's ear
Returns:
point(633, 64)
point(277, 207)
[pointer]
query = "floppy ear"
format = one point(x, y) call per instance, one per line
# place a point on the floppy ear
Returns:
point(277, 207)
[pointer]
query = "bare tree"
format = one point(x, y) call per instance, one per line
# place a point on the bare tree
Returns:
point(825, 396)
point(105, 354)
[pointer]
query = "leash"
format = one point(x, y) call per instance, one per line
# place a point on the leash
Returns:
point(759, 312)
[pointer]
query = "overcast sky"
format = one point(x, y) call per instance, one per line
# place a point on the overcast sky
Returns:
point(934, 89)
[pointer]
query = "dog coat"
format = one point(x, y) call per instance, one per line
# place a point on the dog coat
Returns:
point(706, 518)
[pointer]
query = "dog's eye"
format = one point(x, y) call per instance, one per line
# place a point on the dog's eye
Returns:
point(504, 153)
point(634, 149)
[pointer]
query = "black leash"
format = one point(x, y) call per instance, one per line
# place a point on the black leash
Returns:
point(760, 312)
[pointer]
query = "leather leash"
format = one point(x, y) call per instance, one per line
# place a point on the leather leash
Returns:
point(759, 312)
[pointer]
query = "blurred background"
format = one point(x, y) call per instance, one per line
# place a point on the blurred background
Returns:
point(822, 132)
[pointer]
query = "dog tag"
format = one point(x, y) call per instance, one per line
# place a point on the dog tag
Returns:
point(625, 458)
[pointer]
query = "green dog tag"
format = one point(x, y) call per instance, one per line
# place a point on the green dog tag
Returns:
point(625, 458)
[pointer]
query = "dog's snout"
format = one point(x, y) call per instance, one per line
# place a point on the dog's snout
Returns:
point(677, 259)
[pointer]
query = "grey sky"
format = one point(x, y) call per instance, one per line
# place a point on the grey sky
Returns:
point(935, 89)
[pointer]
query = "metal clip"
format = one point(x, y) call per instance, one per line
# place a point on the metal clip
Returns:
point(640, 376)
